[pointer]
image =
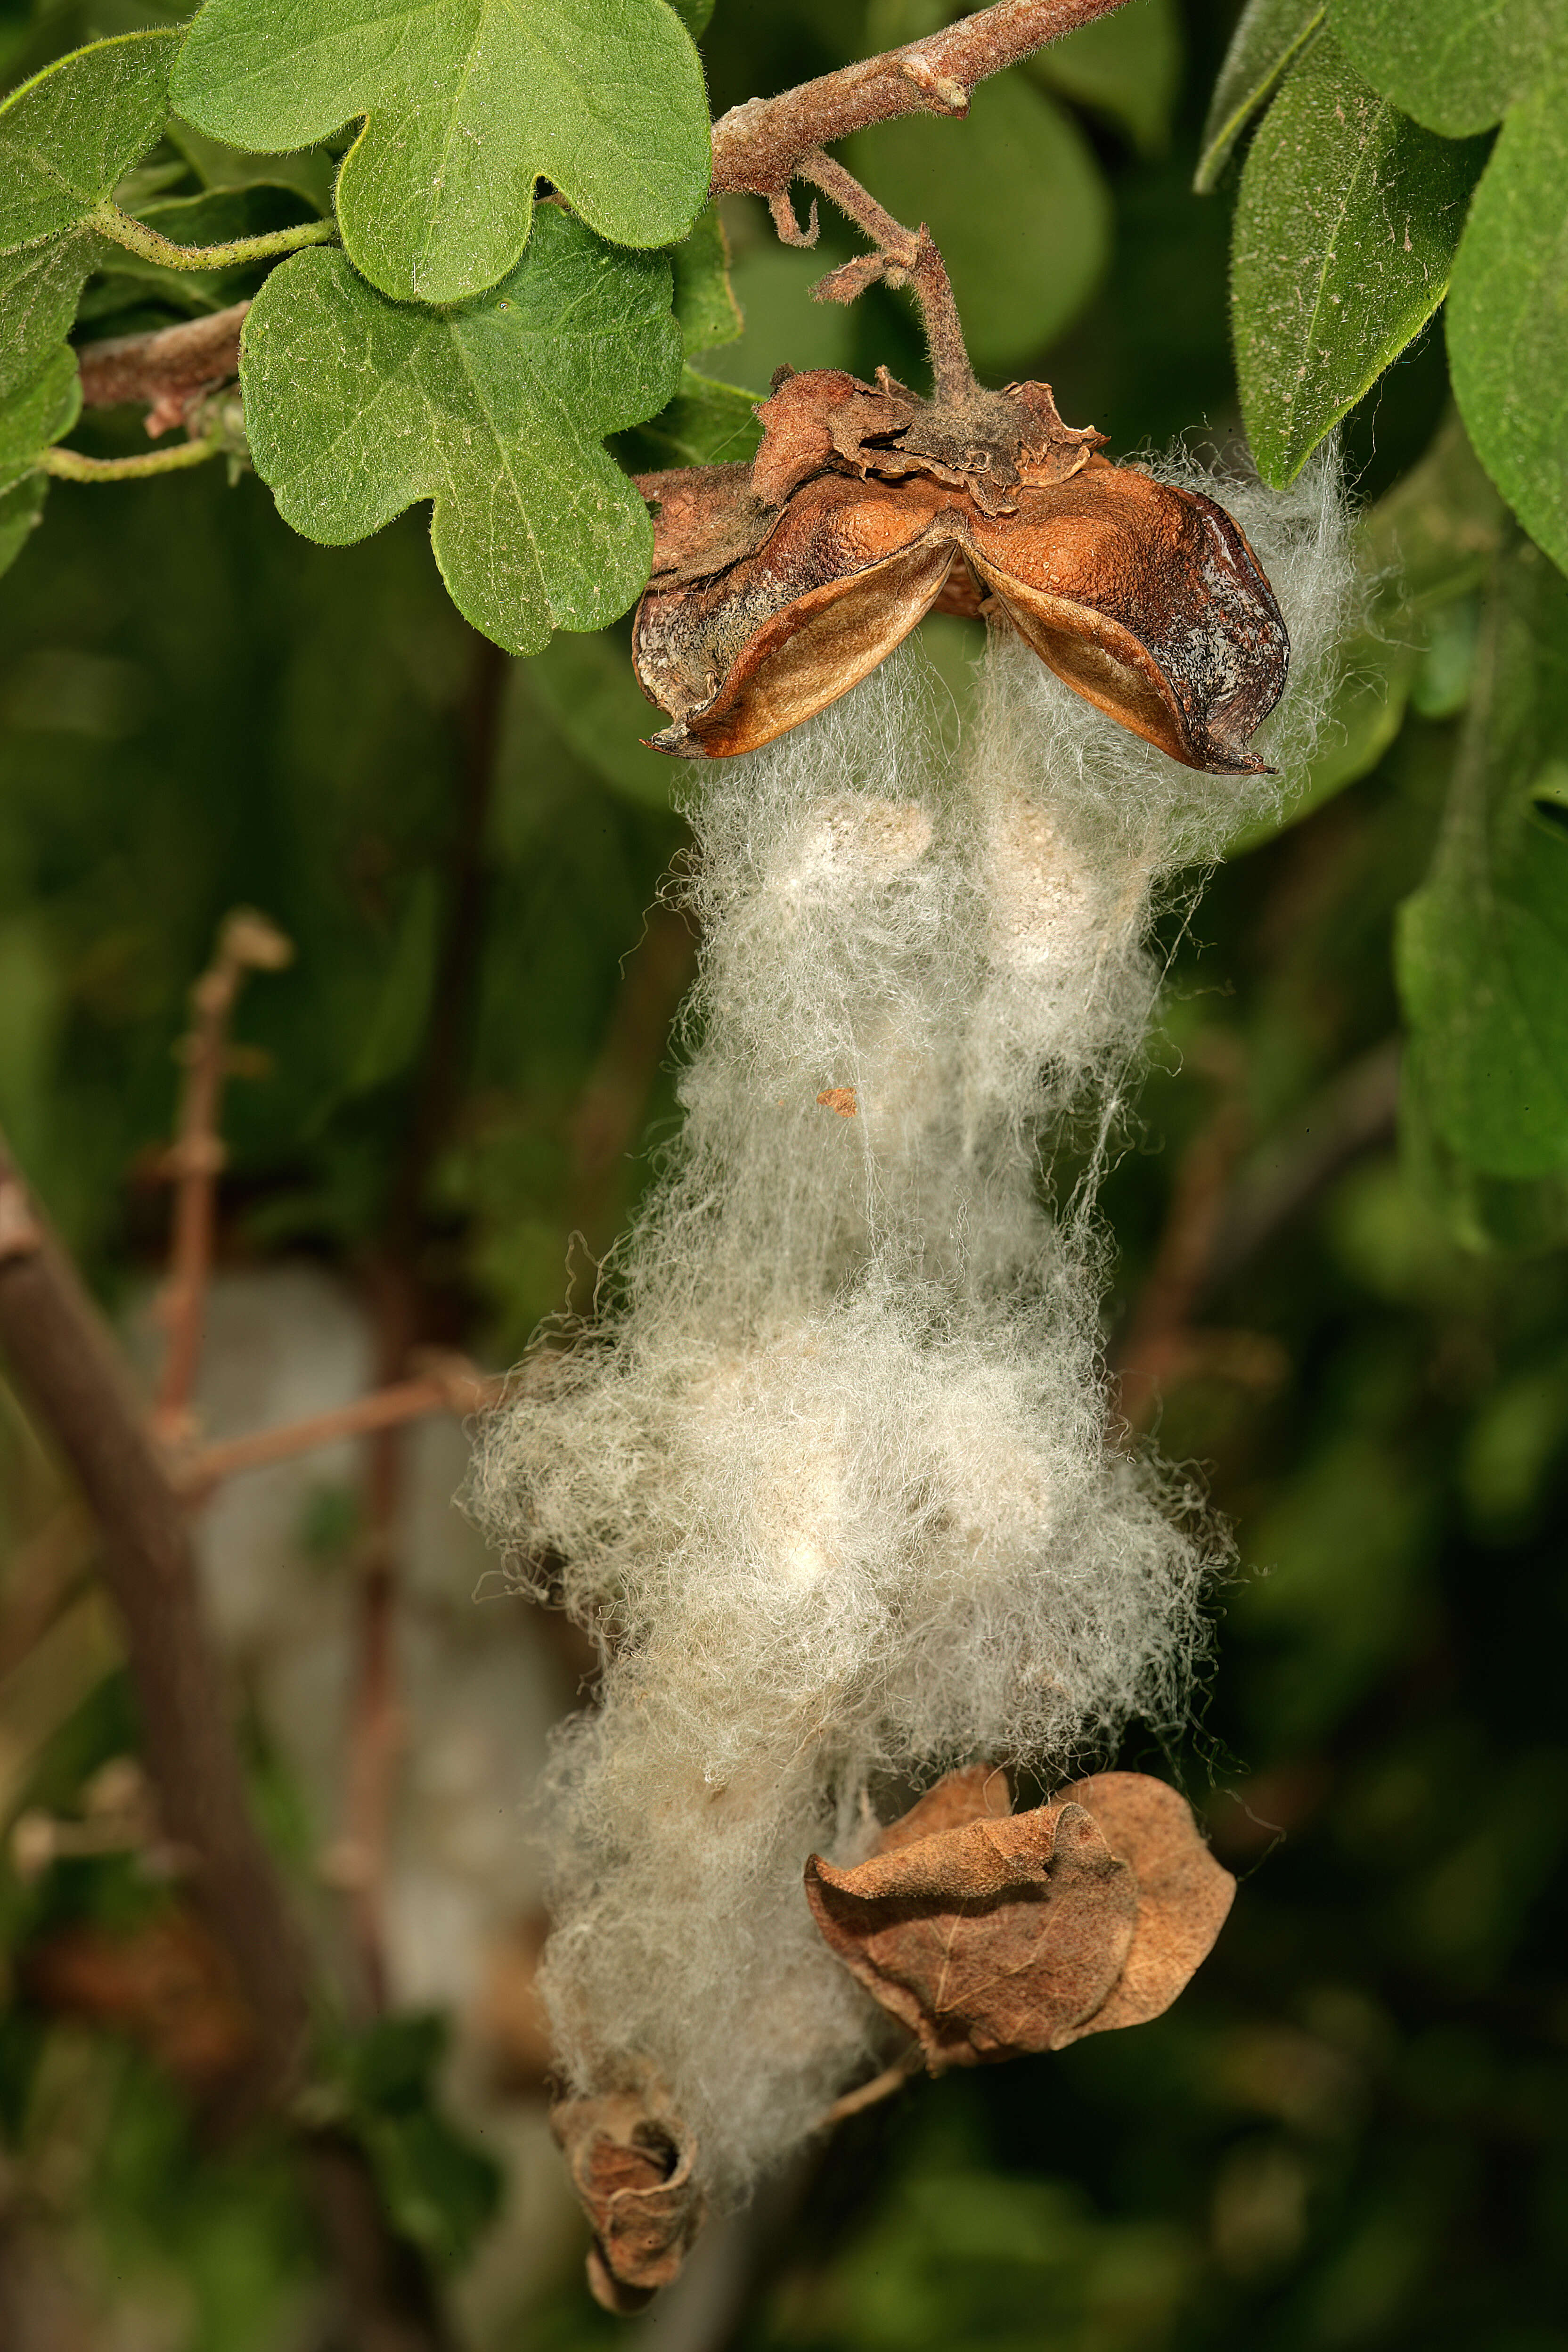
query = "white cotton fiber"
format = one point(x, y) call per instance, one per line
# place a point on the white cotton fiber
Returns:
point(833, 1476)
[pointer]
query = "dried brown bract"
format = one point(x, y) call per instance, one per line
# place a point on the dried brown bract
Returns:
point(989, 1934)
point(632, 2169)
point(777, 586)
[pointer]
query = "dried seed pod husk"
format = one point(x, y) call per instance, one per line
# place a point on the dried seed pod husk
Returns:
point(778, 587)
point(632, 2168)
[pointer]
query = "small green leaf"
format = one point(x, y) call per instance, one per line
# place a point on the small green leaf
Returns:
point(1128, 66)
point(72, 133)
point(706, 423)
point(1268, 41)
point(40, 394)
point(1508, 317)
point(1015, 199)
point(21, 512)
point(1483, 945)
point(466, 105)
point(1455, 65)
point(705, 300)
point(1345, 232)
point(495, 409)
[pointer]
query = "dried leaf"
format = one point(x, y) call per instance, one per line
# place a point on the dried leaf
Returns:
point(632, 2170)
point(989, 1939)
point(777, 587)
point(990, 1935)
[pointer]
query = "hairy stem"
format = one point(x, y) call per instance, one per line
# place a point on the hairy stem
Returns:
point(137, 237)
point(757, 147)
point(911, 257)
point(71, 466)
point(168, 369)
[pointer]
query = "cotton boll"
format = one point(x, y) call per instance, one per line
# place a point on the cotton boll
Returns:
point(833, 1478)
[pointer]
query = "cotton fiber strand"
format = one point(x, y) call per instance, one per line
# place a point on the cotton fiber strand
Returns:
point(832, 1478)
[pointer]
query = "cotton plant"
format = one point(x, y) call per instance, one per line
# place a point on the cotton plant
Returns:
point(832, 1474)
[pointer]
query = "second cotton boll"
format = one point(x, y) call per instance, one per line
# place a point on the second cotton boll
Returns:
point(834, 1479)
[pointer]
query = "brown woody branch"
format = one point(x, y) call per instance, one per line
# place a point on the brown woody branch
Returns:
point(758, 147)
point(171, 370)
point(455, 1389)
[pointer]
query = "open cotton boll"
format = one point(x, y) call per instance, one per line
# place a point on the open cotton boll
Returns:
point(833, 1476)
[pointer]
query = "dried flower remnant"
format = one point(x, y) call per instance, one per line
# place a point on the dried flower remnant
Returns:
point(989, 1935)
point(632, 2170)
point(777, 586)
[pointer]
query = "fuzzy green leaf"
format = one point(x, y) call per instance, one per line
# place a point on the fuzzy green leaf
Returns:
point(1508, 317)
point(1268, 41)
point(467, 103)
point(1127, 67)
point(1345, 232)
point(706, 423)
point(70, 135)
point(495, 409)
point(705, 300)
point(67, 138)
point(1455, 65)
point(1483, 945)
point(1016, 202)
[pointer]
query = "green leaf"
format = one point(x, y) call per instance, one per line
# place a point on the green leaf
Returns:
point(1508, 317)
point(465, 105)
point(706, 423)
point(21, 512)
point(218, 165)
point(495, 409)
point(695, 15)
point(587, 686)
point(782, 324)
point(1268, 41)
point(1345, 232)
point(1015, 199)
point(1128, 66)
point(67, 138)
point(72, 133)
point(1483, 945)
point(1455, 65)
point(705, 300)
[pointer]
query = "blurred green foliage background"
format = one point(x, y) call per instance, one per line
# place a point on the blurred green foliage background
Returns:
point(1352, 2130)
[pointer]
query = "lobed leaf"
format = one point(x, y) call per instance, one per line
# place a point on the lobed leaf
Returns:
point(1345, 232)
point(1483, 945)
point(1455, 64)
point(1270, 38)
point(1507, 318)
point(67, 138)
point(1019, 160)
point(494, 409)
point(706, 423)
point(465, 104)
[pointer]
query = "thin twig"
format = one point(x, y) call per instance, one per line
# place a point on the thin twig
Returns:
point(460, 1390)
point(758, 147)
point(69, 1370)
point(171, 370)
point(246, 942)
point(869, 2094)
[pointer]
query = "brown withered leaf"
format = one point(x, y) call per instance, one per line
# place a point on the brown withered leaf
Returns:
point(987, 1939)
point(990, 1935)
point(777, 586)
point(1183, 1894)
point(166, 1984)
point(631, 2167)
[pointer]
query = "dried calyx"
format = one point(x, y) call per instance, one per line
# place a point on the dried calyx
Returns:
point(631, 2165)
point(778, 585)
